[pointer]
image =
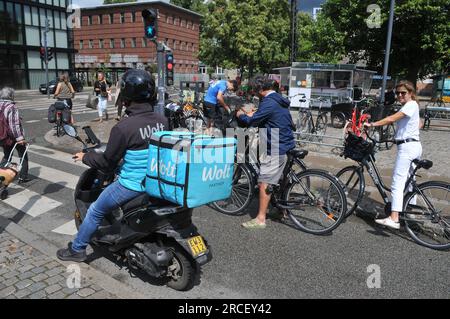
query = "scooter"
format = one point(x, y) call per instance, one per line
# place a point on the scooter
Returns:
point(152, 235)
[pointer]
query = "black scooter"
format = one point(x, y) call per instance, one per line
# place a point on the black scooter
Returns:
point(151, 234)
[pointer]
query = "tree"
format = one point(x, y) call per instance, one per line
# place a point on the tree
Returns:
point(318, 41)
point(250, 35)
point(420, 41)
point(117, 1)
point(193, 5)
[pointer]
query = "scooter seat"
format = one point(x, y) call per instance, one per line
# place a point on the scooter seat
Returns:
point(146, 200)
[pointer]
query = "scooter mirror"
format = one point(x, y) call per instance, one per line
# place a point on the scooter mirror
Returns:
point(70, 130)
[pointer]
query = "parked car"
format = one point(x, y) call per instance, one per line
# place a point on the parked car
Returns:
point(77, 86)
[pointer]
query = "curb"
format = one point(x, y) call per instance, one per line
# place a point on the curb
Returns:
point(39, 243)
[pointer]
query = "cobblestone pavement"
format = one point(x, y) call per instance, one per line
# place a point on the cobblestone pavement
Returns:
point(27, 273)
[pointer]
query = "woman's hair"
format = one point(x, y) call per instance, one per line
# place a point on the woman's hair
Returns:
point(64, 77)
point(7, 93)
point(409, 87)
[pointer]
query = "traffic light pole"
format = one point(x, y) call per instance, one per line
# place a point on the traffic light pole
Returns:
point(46, 55)
point(161, 80)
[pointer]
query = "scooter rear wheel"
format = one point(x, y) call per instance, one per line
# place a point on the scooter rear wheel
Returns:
point(182, 272)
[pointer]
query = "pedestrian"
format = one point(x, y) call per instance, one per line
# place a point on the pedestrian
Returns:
point(102, 88)
point(215, 108)
point(10, 113)
point(272, 115)
point(65, 92)
point(408, 146)
point(119, 101)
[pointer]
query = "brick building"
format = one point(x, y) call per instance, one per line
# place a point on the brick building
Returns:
point(111, 37)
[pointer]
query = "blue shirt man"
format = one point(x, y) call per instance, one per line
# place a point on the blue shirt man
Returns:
point(215, 107)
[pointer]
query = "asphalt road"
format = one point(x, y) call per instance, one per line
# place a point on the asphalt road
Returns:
point(278, 262)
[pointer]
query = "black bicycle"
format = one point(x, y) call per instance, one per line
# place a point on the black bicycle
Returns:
point(426, 207)
point(314, 200)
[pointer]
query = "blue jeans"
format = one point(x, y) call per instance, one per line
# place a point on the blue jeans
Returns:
point(114, 196)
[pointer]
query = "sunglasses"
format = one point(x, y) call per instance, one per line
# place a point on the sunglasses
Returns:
point(401, 92)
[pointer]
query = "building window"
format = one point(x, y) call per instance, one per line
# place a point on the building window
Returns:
point(144, 42)
point(111, 43)
point(91, 44)
point(133, 42)
point(81, 44)
point(167, 19)
point(122, 17)
point(176, 21)
point(133, 17)
point(89, 20)
point(101, 44)
point(122, 43)
point(111, 18)
point(100, 19)
point(183, 23)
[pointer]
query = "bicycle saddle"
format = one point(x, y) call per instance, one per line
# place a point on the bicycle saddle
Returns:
point(298, 153)
point(423, 163)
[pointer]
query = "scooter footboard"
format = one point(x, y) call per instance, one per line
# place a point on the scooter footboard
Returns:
point(192, 242)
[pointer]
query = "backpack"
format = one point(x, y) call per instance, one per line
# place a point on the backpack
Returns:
point(6, 138)
point(51, 114)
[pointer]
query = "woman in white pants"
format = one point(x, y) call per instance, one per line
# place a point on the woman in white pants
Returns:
point(102, 88)
point(408, 145)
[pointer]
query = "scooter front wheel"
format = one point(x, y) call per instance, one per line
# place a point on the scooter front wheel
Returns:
point(181, 271)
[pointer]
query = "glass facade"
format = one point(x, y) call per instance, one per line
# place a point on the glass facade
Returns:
point(22, 26)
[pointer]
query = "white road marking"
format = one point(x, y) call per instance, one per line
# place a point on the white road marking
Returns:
point(67, 229)
point(29, 202)
point(54, 154)
point(53, 175)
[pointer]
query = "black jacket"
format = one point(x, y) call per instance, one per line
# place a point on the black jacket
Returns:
point(132, 133)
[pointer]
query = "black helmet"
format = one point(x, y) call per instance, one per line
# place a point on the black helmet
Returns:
point(138, 86)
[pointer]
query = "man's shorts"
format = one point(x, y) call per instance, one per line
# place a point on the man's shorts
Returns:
point(216, 113)
point(271, 168)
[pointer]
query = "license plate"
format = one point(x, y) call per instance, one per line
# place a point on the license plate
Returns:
point(197, 245)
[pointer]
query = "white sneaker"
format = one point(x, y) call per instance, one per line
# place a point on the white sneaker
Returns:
point(388, 222)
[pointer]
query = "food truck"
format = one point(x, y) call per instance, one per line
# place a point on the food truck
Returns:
point(335, 83)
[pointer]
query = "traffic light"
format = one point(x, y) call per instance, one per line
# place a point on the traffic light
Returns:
point(42, 52)
point(169, 68)
point(150, 23)
point(49, 54)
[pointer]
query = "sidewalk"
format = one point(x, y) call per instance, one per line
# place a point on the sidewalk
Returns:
point(29, 269)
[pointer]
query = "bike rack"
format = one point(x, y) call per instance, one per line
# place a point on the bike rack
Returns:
point(310, 139)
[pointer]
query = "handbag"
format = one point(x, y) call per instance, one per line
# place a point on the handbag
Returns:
point(92, 101)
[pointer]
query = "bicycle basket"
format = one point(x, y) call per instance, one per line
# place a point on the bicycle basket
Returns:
point(357, 148)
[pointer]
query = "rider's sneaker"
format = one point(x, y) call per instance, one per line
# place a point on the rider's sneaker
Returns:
point(388, 222)
point(68, 254)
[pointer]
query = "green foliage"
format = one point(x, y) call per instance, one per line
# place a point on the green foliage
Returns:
point(193, 5)
point(117, 1)
point(421, 35)
point(250, 35)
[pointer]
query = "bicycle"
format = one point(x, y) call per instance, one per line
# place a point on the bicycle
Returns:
point(306, 126)
point(422, 216)
point(314, 200)
point(360, 115)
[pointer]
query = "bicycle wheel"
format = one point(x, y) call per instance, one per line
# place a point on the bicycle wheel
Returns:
point(353, 180)
point(321, 125)
point(427, 215)
point(241, 193)
point(304, 128)
point(318, 208)
point(389, 134)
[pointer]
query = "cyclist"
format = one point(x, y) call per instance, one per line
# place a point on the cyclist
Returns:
point(128, 141)
point(273, 115)
point(408, 143)
point(214, 104)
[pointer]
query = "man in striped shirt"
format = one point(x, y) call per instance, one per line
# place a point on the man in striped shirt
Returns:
point(11, 114)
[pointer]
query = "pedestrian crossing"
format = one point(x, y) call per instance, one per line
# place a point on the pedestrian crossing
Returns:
point(48, 197)
point(40, 104)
